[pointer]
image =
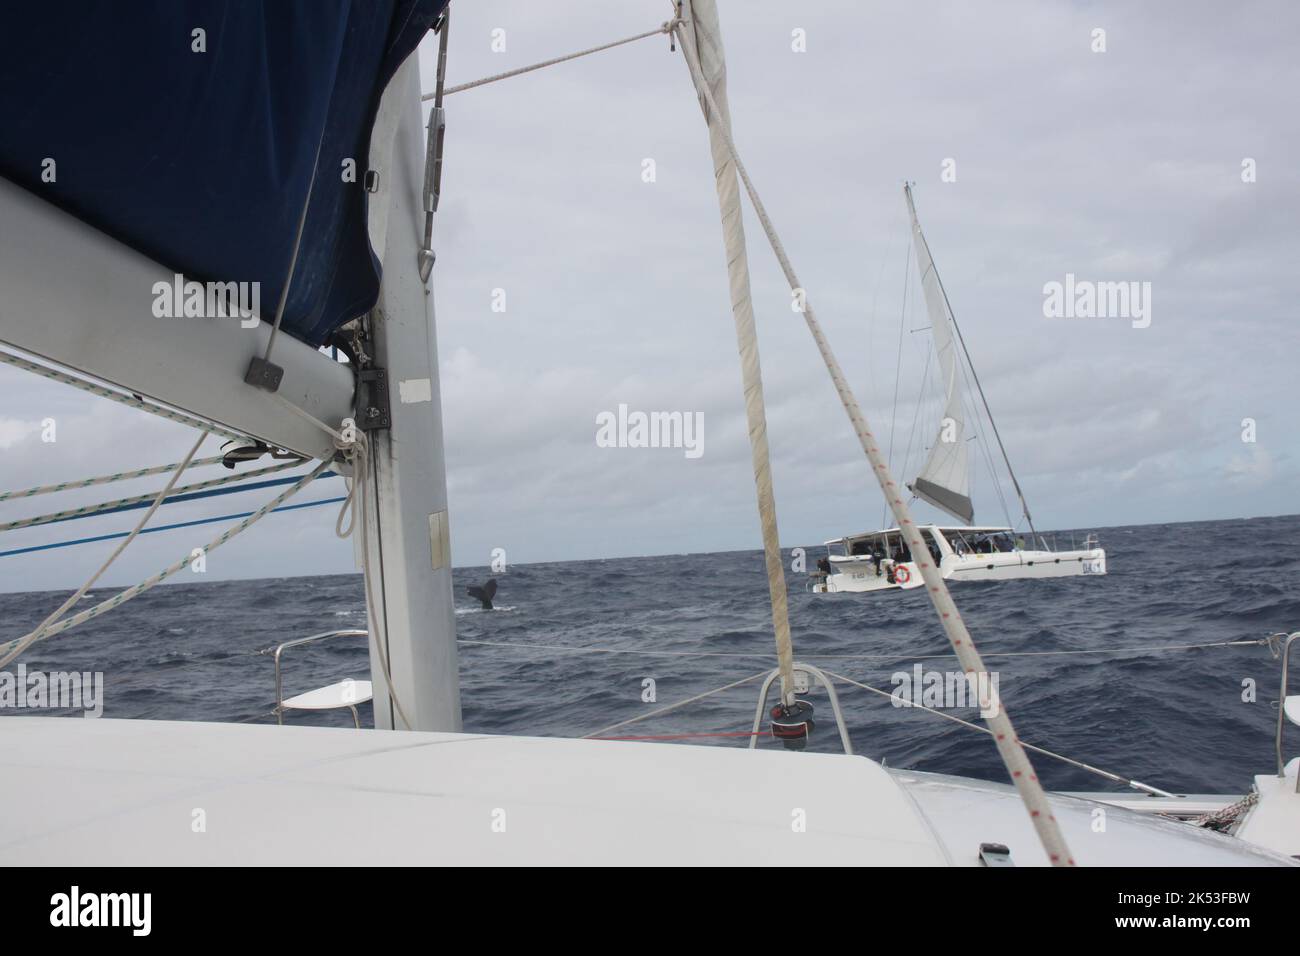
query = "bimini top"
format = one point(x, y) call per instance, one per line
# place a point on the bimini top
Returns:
point(197, 148)
point(945, 529)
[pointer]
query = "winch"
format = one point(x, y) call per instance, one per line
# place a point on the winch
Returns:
point(792, 724)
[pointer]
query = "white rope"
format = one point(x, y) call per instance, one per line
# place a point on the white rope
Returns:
point(32, 637)
point(1013, 754)
point(105, 479)
point(138, 589)
point(1216, 819)
point(671, 707)
point(88, 510)
point(904, 702)
point(742, 310)
point(662, 30)
point(129, 400)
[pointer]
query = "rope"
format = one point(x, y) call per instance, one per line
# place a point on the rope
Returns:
point(184, 493)
point(122, 597)
point(671, 707)
point(730, 733)
point(358, 497)
point(1220, 819)
point(105, 479)
point(128, 400)
point(742, 310)
point(1013, 754)
point(1136, 785)
point(162, 527)
point(665, 28)
point(44, 628)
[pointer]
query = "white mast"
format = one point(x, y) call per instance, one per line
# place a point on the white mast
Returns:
point(409, 552)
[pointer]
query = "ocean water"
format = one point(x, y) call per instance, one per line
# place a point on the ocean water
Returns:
point(1178, 719)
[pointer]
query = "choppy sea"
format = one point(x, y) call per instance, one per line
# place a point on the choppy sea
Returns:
point(1085, 665)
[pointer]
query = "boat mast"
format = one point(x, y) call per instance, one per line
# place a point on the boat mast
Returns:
point(408, 554)
point(1024, 505)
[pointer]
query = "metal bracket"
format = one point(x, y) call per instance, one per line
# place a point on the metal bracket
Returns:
point(264, 374)
point(373, 400)
point(432, 186)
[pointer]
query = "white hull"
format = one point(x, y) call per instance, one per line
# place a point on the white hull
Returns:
point(858, 574)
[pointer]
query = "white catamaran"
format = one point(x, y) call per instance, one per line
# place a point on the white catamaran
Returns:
point(74, 297)
point(883, 560)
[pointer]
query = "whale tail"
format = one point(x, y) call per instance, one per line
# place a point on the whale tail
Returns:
point(485, 593)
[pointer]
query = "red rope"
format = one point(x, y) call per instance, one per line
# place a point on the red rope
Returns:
point(736, 733)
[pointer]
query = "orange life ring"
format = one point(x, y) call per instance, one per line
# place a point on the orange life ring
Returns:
point(902, 575)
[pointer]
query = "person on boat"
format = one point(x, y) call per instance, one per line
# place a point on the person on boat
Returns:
point(877, 557)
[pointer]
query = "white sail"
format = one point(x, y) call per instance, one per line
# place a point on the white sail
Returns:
point(945, 480)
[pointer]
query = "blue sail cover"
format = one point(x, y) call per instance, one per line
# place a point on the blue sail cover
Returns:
point(202, 160)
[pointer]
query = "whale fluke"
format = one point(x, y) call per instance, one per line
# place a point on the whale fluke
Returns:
point(485, 593)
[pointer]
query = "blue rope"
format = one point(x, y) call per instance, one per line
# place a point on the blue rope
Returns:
point(192, 496)
point(172, 527)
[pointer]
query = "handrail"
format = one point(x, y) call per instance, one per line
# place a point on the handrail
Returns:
point(1281, 705)
point(821, 678)
point(280, 649)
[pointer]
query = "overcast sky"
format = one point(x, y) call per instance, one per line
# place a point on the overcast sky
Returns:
point(1123, 165)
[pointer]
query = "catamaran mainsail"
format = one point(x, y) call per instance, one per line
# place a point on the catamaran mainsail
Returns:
point(883, 560)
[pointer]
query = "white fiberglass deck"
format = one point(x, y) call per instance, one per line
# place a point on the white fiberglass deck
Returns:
point(88, 792)
point(126, 791)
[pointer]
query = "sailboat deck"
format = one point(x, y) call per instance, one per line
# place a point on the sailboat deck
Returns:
point(106, 792)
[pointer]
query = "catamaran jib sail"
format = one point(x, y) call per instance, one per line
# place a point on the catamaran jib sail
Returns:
point(945, 480)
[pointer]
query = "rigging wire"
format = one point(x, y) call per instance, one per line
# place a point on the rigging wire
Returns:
point(904, 702)
point(903, 658)
point(658, 711)
point(664, 29)
point(898, 373)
